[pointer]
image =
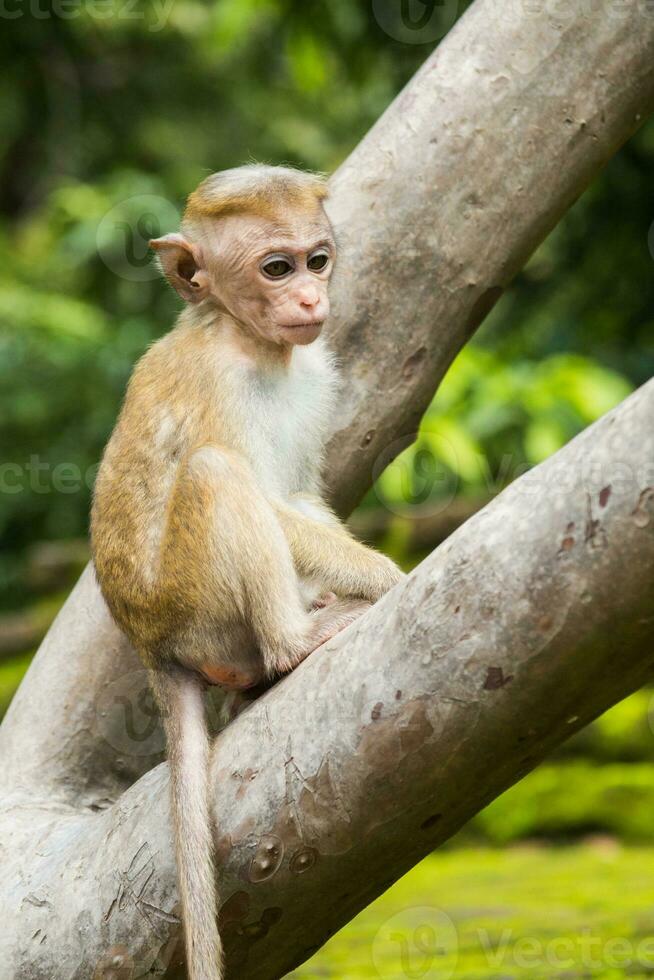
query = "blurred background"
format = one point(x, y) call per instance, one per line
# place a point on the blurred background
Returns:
point(110, 112)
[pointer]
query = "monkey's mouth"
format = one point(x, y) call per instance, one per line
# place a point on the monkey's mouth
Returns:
point(312, 324)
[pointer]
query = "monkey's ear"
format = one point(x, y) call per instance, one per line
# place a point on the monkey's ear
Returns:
point(181, 263)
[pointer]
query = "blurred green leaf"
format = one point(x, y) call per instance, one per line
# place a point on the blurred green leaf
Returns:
point(308, 62)
point(25, 309)
point(542, 438)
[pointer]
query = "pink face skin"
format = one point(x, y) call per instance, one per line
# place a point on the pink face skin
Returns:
point(270, 276)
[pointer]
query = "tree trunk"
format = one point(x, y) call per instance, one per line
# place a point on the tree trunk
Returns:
point(534, 617)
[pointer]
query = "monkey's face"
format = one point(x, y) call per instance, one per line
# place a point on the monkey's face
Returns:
point(270, 273)
point(273, 275)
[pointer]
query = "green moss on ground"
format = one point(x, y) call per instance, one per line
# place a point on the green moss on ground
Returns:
point(524, 913)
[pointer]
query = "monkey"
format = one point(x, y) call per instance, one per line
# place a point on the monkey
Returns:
point(212, 542)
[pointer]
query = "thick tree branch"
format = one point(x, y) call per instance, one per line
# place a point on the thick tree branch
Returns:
point(529, 621)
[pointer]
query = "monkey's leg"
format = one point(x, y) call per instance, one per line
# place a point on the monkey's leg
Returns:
point(324, 549)
point(227, 567)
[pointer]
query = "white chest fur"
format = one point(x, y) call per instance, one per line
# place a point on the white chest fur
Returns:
point(289, 412)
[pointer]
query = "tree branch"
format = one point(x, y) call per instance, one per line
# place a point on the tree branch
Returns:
point(529, 621)
point(451, 191)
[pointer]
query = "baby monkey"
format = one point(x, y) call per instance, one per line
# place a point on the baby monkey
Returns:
point(213, 547)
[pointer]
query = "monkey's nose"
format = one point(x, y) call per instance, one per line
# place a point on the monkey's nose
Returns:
point(309, 298)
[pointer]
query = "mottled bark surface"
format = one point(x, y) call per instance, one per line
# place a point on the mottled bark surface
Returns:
point(533, 618)
point(530, 620)
point(451, 191)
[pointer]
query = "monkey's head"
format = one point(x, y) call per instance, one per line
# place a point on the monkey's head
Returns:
point(256, 242)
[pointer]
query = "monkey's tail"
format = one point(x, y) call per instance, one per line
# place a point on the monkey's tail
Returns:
point(180, 694)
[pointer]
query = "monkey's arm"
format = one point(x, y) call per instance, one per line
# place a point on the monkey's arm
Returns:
point(322, 547)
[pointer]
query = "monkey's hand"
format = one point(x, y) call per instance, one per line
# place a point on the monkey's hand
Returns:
point(380, 576)
point(323, 549)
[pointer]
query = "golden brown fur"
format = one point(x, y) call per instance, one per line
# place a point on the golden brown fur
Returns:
point(254, 189)
point(212, 545)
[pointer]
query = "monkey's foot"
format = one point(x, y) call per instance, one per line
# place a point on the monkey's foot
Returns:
point(333, 618)
point(325, 623)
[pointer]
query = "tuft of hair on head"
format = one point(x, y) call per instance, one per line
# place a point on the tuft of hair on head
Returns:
point(255, 188)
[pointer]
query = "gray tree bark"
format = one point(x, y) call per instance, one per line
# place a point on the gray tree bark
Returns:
point(451, 191)
point(532, 619)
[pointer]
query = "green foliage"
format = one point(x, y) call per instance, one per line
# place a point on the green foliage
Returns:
point(601, 780)
point(572, 799)
point(623, 734)
point(117, 123)
point(526, 913)
point(11, 674)
point(493, 418)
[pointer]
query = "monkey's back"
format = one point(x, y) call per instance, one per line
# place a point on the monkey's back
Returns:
point(163, 418)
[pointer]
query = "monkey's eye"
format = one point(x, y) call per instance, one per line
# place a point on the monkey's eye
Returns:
point(318, 260)
point(276, 266)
